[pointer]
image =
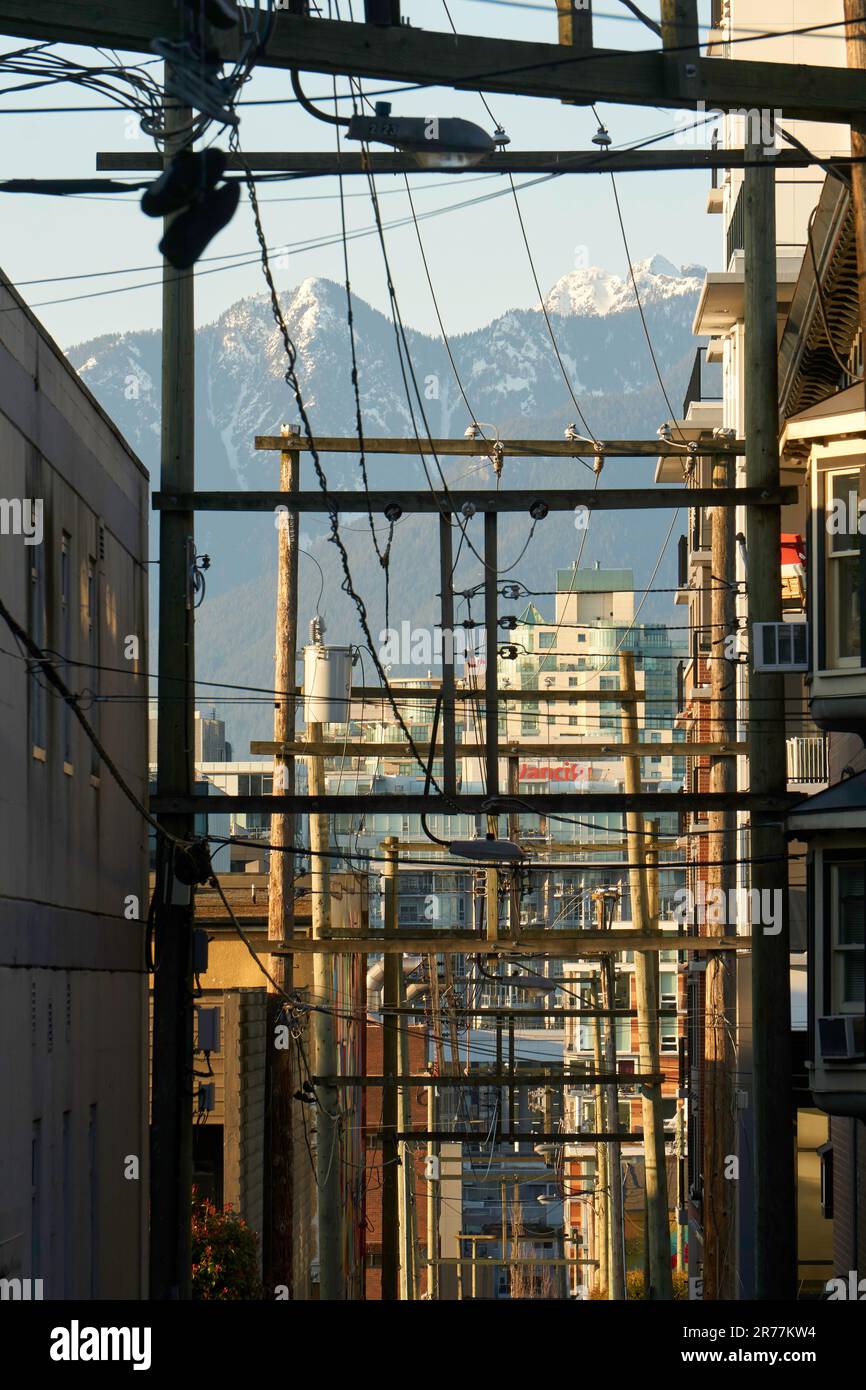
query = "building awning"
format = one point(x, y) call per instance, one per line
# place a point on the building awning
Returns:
point(842, 806)
point(722, 302)
point(838, 416)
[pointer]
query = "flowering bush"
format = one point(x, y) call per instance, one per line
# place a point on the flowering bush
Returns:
point(224, 1254)
point(635, 1286)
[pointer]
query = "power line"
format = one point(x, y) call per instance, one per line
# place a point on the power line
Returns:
point(46, 668)
point(293, 382)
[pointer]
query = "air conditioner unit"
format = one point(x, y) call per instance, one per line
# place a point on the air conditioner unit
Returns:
point(780, 647)
point(841, 1037)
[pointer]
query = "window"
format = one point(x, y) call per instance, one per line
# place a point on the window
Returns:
point(668, 988)
point(668, 1039)
point(93, 1185)
point(66, 635)
point(825, 1154)
point(843, 570)
point(36, 1271)
point(546, 640)
point(92, 623)
point(38, 729)
point(847, 899)
point(572, 680)
point(66, 1181)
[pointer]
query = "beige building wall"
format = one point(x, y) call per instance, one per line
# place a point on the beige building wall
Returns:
point(73, 1000)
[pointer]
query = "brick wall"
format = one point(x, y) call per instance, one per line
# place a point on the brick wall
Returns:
point(849, 1196)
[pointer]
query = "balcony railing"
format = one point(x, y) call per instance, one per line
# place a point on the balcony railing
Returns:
point(807, 758)
point(736, 227)
point(696, 388)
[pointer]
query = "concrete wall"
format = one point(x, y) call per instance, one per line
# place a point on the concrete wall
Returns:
point(73, 1002)
point(244, 1012)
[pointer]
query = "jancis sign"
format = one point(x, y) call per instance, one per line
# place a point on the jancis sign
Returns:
point(554, 772)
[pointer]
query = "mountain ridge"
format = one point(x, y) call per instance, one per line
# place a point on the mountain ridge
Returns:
point(512, 379)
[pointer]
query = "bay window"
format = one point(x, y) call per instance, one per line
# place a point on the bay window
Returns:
point(843, 568)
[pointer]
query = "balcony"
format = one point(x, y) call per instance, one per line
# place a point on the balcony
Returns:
point(807, 760)
point(735, 239)
point(696, 390)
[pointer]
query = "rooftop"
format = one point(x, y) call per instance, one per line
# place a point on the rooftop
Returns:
point(593, 581)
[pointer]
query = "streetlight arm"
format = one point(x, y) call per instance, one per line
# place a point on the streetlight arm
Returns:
point(308, 106)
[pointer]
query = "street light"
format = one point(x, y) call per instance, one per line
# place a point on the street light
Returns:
point(487, 848)
point(434, 142)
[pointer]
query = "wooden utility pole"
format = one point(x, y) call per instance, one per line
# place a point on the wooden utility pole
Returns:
point(173, 1083)
point(491, 888)
point(432, 1198)
point(574, 23)
point(775, 1214)
point(453, 1038)
point(855, 15)
point(602, 1187)
point(506, 1267)
point(646, 989)
point(281, 1079)
point(719, 1214)
point(488, 64)
point(390, 1152)
point(332, 1282)
point(433, 1189)
point(680, 26)
point(614, 1158)
point(408, 1291)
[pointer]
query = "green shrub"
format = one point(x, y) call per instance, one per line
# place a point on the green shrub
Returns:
point(224, 1254)
point(635, 1286)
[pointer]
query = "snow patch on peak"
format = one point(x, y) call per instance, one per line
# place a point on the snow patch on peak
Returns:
point(656, 265)
point(589, 291)
point(595, 292)
point(315, 290)
point(312, 309)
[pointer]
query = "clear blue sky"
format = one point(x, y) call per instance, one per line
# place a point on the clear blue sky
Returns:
point(476, 255)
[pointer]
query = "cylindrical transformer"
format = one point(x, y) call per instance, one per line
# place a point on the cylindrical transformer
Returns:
point(327, 684)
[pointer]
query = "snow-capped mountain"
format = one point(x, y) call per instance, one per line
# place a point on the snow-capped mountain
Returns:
point(594, 291)
point(511, 377)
